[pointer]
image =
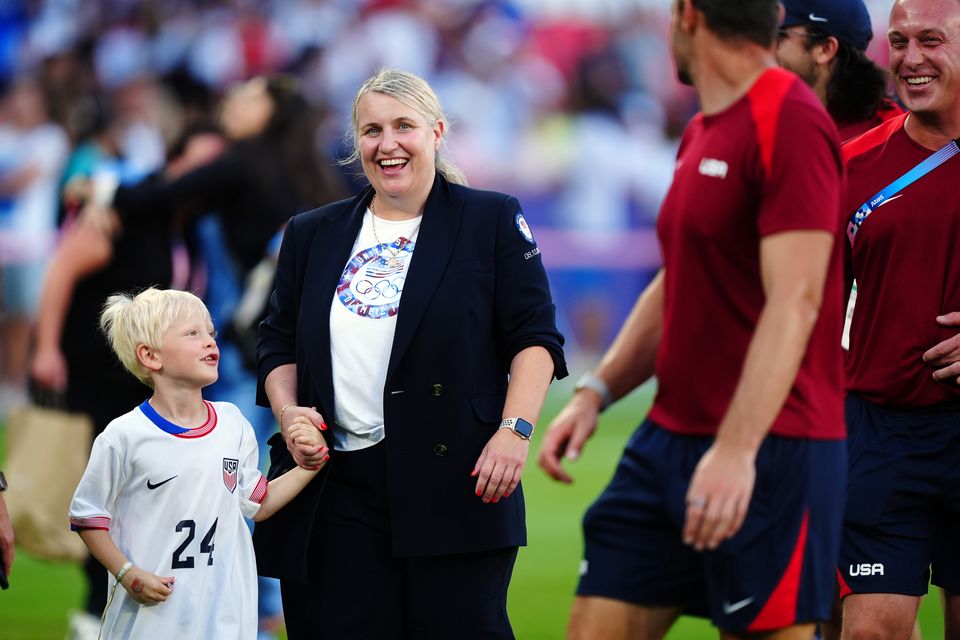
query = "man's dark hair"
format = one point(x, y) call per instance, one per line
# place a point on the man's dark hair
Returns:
point(857, 86)
point(752, 20)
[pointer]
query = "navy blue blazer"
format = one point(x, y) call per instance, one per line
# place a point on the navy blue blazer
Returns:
point(476, 294)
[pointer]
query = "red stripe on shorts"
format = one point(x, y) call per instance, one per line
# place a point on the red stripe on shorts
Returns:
point(780, 611)
point(845, 589)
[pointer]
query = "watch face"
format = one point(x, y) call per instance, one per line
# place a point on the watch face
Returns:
point(523, 427)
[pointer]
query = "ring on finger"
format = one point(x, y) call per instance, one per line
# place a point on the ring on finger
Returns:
point(697, 501)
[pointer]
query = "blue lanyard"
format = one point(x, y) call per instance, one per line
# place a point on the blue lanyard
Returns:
point(938, 158)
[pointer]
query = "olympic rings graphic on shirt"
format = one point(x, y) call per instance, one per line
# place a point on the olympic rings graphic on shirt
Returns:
point(385, 288)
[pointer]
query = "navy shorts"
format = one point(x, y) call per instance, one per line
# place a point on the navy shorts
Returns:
point(903, 501)
point(777, 571)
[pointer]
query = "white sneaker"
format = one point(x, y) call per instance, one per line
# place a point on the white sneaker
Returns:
point(83, 626)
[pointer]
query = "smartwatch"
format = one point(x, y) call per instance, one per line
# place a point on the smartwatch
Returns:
point(598, 386)
point(519, 426)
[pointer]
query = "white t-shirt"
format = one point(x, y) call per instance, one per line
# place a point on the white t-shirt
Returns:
point(173, 500)
point(363, 319)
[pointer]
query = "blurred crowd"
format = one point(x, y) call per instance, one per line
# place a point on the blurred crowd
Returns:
point(575, 114)
point(575, 111)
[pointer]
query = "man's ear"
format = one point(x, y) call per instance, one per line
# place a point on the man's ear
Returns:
point(825, 50)
point(149, 358)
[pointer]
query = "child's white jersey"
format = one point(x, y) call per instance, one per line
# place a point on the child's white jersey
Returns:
point(173, 500)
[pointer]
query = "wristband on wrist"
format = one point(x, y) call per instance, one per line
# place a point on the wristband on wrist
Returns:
point(123, 570)
point(598, 386)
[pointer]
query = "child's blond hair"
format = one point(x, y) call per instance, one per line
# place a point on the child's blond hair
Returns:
point(133, 320)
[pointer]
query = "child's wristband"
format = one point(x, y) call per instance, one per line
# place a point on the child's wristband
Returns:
point(123, 570)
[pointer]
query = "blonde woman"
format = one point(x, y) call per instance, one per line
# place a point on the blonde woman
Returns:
point(413, 326)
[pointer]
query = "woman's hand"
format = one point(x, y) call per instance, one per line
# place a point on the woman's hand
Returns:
point(303, 449)
point(146, 588)
point(500, 464)
point(48, 369)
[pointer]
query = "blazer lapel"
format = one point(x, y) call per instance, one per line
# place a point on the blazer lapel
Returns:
point(327, 254)
point(435, 243)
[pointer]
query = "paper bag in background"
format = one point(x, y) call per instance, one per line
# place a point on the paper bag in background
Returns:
point(47, 451)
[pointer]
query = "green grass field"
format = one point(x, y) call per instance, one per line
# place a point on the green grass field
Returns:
point(36, 606)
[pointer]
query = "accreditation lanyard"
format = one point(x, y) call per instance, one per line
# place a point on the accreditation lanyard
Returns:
point(938, 158)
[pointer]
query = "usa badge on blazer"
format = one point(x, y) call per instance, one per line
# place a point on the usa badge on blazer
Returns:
point(523, 228)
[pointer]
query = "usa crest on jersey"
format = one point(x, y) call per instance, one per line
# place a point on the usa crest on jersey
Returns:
point(230, 473)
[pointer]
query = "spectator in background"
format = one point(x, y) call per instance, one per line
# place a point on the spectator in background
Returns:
point(32, 152)
point(270, 170)
point(824, 42)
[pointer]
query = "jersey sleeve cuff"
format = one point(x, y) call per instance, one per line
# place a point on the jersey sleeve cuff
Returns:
point(260, 491)
point(95, 522)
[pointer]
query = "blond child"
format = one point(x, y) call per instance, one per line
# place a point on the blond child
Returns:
point(162, 502)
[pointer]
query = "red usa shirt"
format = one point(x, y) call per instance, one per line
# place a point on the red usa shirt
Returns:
point(904, 258)
point(888, 110)
point(769, 163)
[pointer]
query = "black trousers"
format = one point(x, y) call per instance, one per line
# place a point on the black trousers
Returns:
point(360, 591)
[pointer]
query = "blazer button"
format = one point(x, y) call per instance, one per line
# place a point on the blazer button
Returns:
point(437, 390)
point(440, 450)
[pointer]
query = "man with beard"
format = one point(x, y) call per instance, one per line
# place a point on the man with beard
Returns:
point(824, 42)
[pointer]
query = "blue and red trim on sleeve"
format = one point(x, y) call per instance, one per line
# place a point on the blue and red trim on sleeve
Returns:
point(101, 523)
point(260, 491)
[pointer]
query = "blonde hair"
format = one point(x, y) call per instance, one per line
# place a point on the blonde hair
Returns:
point(416, 93)
point(129, 321)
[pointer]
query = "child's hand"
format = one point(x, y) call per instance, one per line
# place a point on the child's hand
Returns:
point(302, 432)
point(305, 436)
point(146, 588)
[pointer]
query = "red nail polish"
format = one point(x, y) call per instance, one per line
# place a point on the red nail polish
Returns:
point(323, 426)
point(479, 493)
